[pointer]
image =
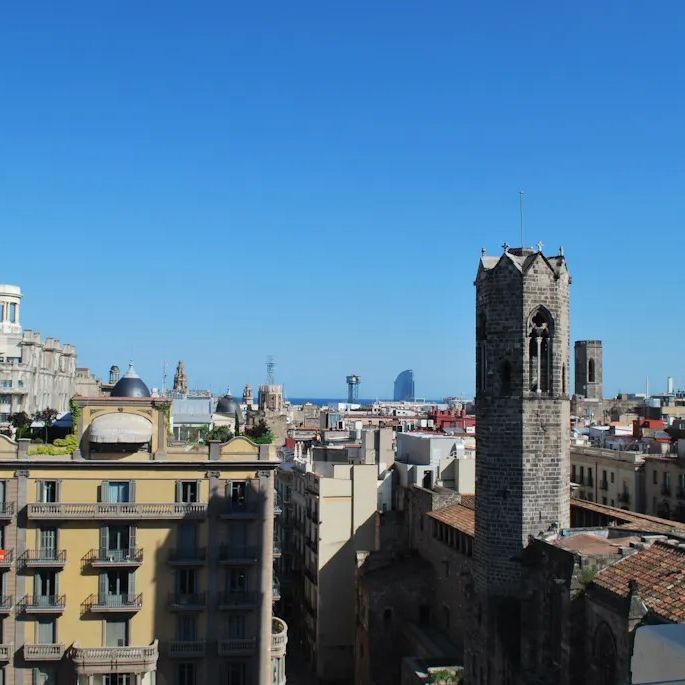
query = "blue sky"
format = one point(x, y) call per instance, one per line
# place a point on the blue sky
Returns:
point(220, 181)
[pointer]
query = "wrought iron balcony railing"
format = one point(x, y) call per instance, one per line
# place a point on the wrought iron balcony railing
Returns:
point(104, 556)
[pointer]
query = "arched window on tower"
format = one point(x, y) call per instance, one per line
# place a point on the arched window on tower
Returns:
point(540, 334)
point(591, 370)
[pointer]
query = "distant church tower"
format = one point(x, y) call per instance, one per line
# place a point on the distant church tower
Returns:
point(588, 369)
point(522, 438)
point(180, 380)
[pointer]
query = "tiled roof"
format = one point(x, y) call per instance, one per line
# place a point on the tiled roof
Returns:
point(660, 573)
point(631, 519)
point(468, 501)
point(456, 516)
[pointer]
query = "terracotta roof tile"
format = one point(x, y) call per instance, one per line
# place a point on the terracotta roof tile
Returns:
point(660, 573)
point(456, 516)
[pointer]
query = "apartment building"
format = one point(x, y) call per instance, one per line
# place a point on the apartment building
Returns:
point(330, 514)
point(665, 486)
point(610, 477)
point(132, 562)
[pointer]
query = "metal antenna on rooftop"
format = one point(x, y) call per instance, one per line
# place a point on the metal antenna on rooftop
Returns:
point(164, 365)
point(270, 366)
point(521, 213)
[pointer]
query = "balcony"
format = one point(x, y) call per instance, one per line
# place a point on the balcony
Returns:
point(187, 649)
point(103, 557)
point(6, 603)
point(275, 590)
point(624, 497)
point(44, 558)
point(52, 652)
point(237, 600)
point(277, 549)
point(6, 511)
point(239, 510)
point(191, 601)
point(109, 660)
point(603, 485)
point(279, 637)
point(6, 651)
point(116, 604)
point(187, 557)
point(127, 511)
point(43, 604)
point(234, 646)
point(240, 555)
point(6, 558)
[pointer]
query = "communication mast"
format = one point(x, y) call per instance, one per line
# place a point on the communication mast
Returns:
point(270, 366)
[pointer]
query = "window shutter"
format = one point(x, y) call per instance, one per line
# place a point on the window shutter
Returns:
point(104, 491)
point(58, 491)
point(39, 491)
point(131, 583)
point(197, 490)
point(131, 538)
point(178, 491)
point(103, 585)
point(132, 491)
point(104, 537)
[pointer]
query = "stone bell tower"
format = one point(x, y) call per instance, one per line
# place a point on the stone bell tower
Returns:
point(522, 430)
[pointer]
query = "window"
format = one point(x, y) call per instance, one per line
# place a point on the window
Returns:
point(612, 476)
point(186, 674)
point(591, 370)
point(44, 676)
point(116, 585)
point(237, 580)
point(235, 626)
point(655, 478)
point(187, 491)
point(116, 633)
point(540, 332)
point(573, 473)
point(604, 500)
point(47, 542)
point(186, 627)
point(186, 581)
point(47, 491)
point(582, 474)
point(238, 492)
point(45, 587)
point(117, 491)
point(236, 673)
point(46, 633)
point(13, 312)
point(117, 542)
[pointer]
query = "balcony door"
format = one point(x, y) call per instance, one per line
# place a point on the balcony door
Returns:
point(187, 538)
point(46, 631)
point(117, 542)
point(116, 633)
point(116, 586)
point(118, 491)
point(47, 543)
point(45, 586)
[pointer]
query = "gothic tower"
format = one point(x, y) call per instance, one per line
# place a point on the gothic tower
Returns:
point(522, 436)
point(588, 369)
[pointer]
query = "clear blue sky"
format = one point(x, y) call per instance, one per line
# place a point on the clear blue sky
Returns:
point(219, 181)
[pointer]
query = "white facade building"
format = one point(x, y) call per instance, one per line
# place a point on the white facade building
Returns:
point(34, 374)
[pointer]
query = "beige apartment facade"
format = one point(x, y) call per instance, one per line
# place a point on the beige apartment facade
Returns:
point(665, 486)
point(131, 562)
point(610, 477)
point(332, 513)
